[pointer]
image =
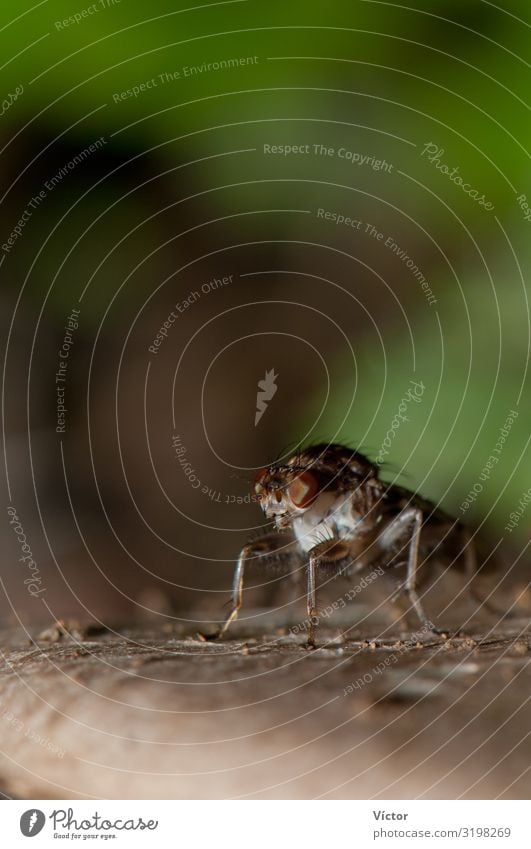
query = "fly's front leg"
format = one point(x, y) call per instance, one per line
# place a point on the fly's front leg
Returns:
point(260, 547)
point(410, 521)
point(237, 590)
point(311, 600)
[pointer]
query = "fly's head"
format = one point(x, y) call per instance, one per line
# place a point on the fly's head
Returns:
point(284, 494)
point(287, 490)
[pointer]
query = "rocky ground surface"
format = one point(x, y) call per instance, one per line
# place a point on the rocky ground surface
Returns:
point(158, 712)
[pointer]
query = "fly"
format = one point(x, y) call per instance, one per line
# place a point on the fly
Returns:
point(342, 519)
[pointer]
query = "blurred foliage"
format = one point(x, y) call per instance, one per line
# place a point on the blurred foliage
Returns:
point(453, 73)
point(456, 69)
point(472, 383)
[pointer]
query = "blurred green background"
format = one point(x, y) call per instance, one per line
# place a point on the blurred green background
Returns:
point(181, 191)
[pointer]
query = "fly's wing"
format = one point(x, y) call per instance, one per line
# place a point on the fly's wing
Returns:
point(449, 537)
point(441, 534)
point(397, 498)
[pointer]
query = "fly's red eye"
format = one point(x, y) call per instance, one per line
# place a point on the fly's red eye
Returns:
point(303, 489)
point(258, 478)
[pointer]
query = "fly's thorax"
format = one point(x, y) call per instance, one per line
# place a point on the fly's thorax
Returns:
point(330, 516)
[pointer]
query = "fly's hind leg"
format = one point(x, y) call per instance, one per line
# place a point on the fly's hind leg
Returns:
point(410, 587)
point(471, 572)
point(409, 522)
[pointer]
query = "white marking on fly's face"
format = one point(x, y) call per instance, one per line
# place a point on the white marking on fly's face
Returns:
point(329, 516)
